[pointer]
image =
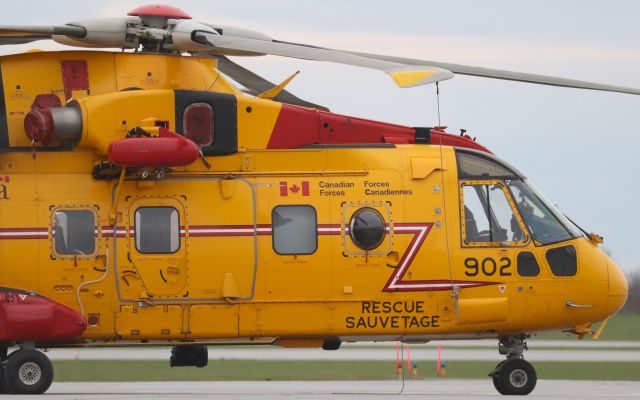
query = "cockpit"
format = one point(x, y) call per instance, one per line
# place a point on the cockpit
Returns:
point(500, 207)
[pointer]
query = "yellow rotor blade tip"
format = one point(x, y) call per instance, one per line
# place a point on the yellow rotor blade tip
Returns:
point(406, 79)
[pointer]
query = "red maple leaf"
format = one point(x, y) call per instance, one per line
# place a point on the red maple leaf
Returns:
point(294, 188)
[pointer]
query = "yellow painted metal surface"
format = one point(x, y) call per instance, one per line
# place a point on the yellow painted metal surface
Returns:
point(132, 322)
point(226, 280)
point(271, 93)
point(202, 318)
point(99, 126)
point(256, 119)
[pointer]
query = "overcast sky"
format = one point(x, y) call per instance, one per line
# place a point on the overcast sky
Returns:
point(579, 147)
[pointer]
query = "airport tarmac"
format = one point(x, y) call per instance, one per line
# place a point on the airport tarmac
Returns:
point(451, 389)
point(347, 352)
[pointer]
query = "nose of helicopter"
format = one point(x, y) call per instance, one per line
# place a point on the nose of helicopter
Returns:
point(618, 288)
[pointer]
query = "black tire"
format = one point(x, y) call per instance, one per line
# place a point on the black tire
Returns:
point(496, 384)
point(515, 377)
point(27, 372)
point(2, 385)
point(3, 377)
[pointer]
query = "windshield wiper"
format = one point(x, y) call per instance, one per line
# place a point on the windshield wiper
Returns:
point(587, 234)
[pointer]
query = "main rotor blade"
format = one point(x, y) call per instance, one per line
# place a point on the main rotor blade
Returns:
point(27, 38)
point(258, 84)
point(506, 75)
point(19, 30)
point(405, 75)
point(18, 34)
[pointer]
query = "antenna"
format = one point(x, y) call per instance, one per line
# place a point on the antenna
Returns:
point(438, 101)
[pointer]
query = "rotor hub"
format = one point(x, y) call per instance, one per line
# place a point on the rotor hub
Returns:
point(157, 15)
point(159, 10)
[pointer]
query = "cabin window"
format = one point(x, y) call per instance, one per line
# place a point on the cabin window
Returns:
point(367, 228)
point(157, 230)
point(74, 232)
point(198, 123)
point(294, 229)
point(488, 216)
point(527, 264)
point(563, 261)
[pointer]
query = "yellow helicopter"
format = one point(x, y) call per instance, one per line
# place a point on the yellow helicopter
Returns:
point(146, 200)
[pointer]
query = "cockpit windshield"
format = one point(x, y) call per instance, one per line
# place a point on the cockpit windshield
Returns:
point(546, 223)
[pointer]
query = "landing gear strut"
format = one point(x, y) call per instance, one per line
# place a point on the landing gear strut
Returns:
point(25, 371)
point(513, 376)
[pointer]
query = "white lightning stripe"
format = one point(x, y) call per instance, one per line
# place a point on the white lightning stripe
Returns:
point(408, 228)
point(230, 230)
point(409, 255)
point(32, 233)
point(220, 230)
point(425, 285)
point(435, 285)
point(329, 230)
point(118, 231)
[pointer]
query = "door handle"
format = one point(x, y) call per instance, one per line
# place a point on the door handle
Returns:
point(571, 304)
point(455, 292)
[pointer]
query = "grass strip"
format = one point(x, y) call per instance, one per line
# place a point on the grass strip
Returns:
point(621, 327)
point(276, 370)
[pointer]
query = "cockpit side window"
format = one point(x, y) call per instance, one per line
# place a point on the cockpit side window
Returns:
point(537, 216)
point(488, 215)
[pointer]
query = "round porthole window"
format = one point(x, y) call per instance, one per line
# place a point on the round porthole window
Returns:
point(367, 228)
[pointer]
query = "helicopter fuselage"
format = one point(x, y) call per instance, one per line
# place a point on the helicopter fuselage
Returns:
point(306, 228)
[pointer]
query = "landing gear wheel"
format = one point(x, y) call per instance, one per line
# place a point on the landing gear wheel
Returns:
point(4, 356)
point(3, 388)
point(515, 377)
point(27, 372)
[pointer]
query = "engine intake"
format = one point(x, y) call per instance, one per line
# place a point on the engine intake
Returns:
point(45, 124)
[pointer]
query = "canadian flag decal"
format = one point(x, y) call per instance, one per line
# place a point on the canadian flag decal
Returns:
point(297, 188)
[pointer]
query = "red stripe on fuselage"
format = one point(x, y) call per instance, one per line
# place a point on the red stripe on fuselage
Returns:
point(24, 233)
point(396, 282)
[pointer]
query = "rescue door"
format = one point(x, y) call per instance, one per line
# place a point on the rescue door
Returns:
point(156, 249)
